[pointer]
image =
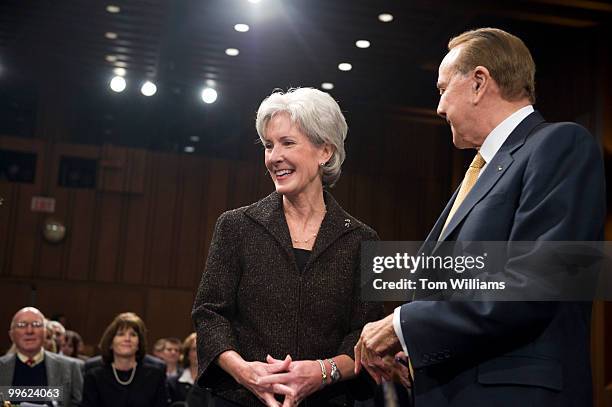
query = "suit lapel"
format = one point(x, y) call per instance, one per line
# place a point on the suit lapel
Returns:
point(494, 171)
point(269, 213)
point(53, 370)
point(335, 224)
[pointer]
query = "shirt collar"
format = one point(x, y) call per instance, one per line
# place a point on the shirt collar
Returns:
point(38, 358)
point(498, 136)
point(186, 377)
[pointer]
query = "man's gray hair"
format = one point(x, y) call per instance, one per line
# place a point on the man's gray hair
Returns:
point(317, 115)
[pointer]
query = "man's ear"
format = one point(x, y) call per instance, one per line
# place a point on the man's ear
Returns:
point(481, 80)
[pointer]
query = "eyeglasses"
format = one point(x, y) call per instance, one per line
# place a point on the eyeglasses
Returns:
point(25, 324)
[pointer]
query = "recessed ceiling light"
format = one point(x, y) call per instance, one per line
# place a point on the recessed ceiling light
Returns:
point(385, 17)
point(118, 84)
point(327, 85)
point(345, 66)
point(362, 44)
point(148, 88)
point(111, 8)
point(111, 35)
point(111, 58)
point(121, 64)
point(232, 52)
point(189, 149)
point(209, 95)
point(241, 28)
point(119, 71)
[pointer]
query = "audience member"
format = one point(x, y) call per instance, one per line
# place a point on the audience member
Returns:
point(73, 345)
point(158, 348)
point(32, 365)
point(59, 334)
point(123, 377)
point(171, 354)
point(49, 342)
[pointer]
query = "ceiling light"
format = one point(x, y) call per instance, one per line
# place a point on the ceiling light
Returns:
point(121, 64)
point(118, 84)
point(345, 66)
point(111, 8)
point(189, 149)
point(111, 58)
point(241, 28)
point(385, 17)
point(327, 85)
point(209, 95)
point(362, 44)
point(195, 139)
point(119, 71)
point(148, 88)
point(111, 35)
point(254, 1)
point(232, 52)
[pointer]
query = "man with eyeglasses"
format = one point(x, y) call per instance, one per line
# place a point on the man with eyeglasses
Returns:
point(31, 365)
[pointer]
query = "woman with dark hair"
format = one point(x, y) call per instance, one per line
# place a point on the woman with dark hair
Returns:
point(122, 380)
point(72, 345)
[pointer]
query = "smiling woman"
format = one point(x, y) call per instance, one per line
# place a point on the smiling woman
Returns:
point(123, 378)
point(278, 309)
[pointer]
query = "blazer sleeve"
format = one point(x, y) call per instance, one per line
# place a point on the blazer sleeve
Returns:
point(362, 312)
point(214, 306)
point(562, 199)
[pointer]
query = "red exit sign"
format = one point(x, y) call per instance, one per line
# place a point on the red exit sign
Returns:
point(43, 204)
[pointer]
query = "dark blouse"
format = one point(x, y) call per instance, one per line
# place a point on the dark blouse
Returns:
point(147, 389)
point(301, 258)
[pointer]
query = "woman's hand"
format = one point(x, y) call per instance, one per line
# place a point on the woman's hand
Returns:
point(251, 374)
point(302, 379)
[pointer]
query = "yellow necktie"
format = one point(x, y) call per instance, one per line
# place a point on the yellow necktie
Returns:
point(471, 176)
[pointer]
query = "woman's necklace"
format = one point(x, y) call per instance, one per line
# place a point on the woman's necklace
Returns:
point(305, 241)
point(311, 237)
point(128, 381)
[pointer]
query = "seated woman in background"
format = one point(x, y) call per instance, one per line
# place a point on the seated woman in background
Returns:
point(73, 345)
point(179, 385)
point(122, 380)
point(282, 278)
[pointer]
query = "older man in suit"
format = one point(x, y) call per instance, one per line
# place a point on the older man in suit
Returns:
point(31, 365)
point(530, 181)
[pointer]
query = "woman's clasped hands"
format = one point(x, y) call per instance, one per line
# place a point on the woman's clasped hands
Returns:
point(295, 380)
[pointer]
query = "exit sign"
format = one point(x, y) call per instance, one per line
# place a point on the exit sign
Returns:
point(43, 204)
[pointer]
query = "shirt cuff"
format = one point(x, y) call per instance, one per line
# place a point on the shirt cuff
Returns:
point(397, 327)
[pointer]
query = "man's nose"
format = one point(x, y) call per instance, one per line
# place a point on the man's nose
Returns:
point(440, 110)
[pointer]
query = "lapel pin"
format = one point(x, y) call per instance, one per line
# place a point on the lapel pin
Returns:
point(499, 168)
point(347, 223)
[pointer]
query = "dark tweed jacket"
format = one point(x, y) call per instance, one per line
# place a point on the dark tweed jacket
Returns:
point(254, 300)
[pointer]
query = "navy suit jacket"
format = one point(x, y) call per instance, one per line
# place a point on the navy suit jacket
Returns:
point(545, 183)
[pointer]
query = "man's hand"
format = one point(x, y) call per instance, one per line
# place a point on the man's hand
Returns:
point(377, 340)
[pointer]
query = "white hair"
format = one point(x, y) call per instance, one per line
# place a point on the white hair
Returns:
point(317, 115)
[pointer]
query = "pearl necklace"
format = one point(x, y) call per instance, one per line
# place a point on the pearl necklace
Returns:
point(128, 381)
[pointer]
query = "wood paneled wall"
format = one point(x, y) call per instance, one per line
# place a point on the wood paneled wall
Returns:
point(138, 241)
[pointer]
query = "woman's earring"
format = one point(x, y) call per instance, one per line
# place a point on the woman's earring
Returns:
point(322, 164)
